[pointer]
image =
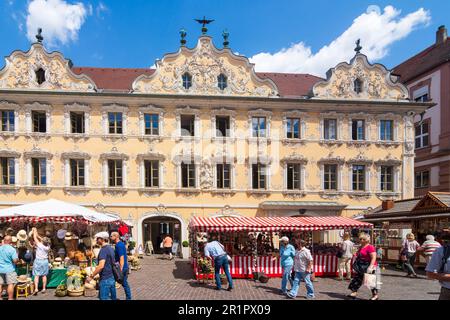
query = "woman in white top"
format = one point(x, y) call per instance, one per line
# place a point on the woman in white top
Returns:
point(40, 264)
point(410, 246)
point(346, 258)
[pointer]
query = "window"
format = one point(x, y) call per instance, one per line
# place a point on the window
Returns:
point(115, 173)
point(359, 177)
point(222, 126)
point(330, 177)
point(40, 76)
point(151, 124)
point(39, 119)
point(77, 171)
point(187, 175)
point(386, 130)
point(292, 128)
point(151, 168)
point(259, 176)
point(422, 179)
point(39, 174)
point(293, 176)
point(387, 178)
point(115, 122)
point(422, 135)
point(187, 81)
point(421, 94)
point(222, 81)
point(330, 129)
point(187, 125)
point(8, 122)
point(77, 122)
point(258, 127)
point(7, 169)
point(357, 86)
point(358, 130)
point(223, 176)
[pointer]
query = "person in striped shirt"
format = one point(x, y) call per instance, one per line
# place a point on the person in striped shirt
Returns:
point(429, 247)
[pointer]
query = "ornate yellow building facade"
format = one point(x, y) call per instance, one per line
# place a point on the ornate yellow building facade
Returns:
point(203, 135)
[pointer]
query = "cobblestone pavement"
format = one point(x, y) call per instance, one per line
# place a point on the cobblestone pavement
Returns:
point(173, 280)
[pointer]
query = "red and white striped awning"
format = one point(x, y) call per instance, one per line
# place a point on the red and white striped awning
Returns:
point(39, 219)
point(252, 224)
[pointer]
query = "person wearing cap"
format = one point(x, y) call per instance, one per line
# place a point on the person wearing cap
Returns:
point(40, 264)
point(8, 261)
point(429, 247)
point(439, 266)
point(107, 283)
point(120, 253)
point(216, 251)
point(287, 254)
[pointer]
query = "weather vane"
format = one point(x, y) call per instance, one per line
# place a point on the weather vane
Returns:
point(358, 46)
point(204, 22)
point(39, 36)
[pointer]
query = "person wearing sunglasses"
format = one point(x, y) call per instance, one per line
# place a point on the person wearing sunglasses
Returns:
point(365, 262)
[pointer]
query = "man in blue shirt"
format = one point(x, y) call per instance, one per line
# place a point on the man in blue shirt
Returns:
point(215, 250)
point(121, 258)
point(287, 254)
point(8, 261)
point(107, 282)
point(438, 269)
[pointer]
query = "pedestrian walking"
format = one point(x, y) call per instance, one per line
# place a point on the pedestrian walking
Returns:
point(303, 266)
point(107, 283)
point(346, 259)
point(216, 251)
point(365, 262)
point(40, 264)
point(439, 267)
point(167, 246)
point(287, 254)
point(429, 247)
point(8, 261)
point(120, 253)
point(410, 246)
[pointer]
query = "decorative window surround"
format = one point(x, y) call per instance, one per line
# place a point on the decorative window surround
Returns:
point(359, 193)
point(114, 108)
point(339, 119)
point(66, 157)
point(197, 124)
point(396, 119)
point(396, 164)
point(301, 116)
point(224, 160)
point(259, 113)
point(150, 109)
point(294, 159)
point(37, 153)
point(5, 105)
point(223, 112)
point(76, 107)
point(37, 106)
point(16, 155)
point(152, 156)
point(265, 160)
point(332, 194)
point(114, 155)
point(188, 159)
point(367, 134)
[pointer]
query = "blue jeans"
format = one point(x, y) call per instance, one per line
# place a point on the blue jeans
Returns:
point(125, 285)
point(287, 270)
point(222, 262)
point(107, 289)
point(306, 276)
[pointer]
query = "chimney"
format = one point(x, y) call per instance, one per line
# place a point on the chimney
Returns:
point(441, 35)
point(388, 204)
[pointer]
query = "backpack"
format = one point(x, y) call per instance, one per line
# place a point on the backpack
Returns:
point(445, 257)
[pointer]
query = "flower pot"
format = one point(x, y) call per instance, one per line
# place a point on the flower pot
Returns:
point(185, 252)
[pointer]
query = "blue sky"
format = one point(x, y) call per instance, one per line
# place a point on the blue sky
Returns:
point(285, 36)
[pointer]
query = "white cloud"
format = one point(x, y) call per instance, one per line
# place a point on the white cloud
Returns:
point(100, 9)
point(377, 31)
point(60, 20)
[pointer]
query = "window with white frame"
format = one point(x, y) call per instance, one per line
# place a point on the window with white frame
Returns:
point(39, 171)
point(39, 120)
point(259, 176)
point(387, 130)
point(421, 95)
point(77, 123)
point(188, 175)
point(114, 119)
point(187, 123)
point(222, 126)
point(151, 124)
point(115, 123)
point(76, 119)
point(8, 171)
point(387, 178)
point(293, 176)
point(422, 179)
point(330, 177)
point(293, 128)
point(77, 172)
point(223, 176)
point(259, 127)
point(8, 120)
point(358, 177)
point(330, 129)
point(151, 173)
point(358, 129)
point(186, 80)
point(222, 81)
point(115, 173)
point(422, 135)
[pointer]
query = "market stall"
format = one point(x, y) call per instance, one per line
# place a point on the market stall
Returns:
point(253, 242)
point(69, 228)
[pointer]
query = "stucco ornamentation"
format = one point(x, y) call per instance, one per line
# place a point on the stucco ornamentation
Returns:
point(20, 72)
point(376, 82)
point(206, 175)
point(204, 64)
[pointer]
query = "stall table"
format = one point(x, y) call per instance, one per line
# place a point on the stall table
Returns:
point(54, 278)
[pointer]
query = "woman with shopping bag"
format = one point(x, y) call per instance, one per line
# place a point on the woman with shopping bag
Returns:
point(365, 263)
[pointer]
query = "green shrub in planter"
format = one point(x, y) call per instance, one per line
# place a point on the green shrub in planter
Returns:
point(185, 244)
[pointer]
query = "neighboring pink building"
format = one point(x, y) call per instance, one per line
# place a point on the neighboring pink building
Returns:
point(427, 76)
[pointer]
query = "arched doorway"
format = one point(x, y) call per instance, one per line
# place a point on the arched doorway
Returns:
point(154, 228)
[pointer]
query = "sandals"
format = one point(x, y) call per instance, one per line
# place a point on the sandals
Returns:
point(43, 291)
point(35, 293)
point(375, 297)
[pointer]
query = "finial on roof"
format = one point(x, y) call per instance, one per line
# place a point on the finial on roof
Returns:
point(39, 36)
point(204, 22)
point(183, 36)
point(358, 46)
point(225, 35)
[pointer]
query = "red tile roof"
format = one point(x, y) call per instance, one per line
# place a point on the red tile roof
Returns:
point(424, 61)
point(114, 79)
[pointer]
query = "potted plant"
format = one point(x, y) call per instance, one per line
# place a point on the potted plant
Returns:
point(185, 250)
point(131, 246)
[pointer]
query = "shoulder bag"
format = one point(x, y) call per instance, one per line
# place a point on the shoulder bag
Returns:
point(117, 272)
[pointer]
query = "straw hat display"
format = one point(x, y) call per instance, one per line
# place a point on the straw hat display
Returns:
point(68, 236)
point(22, 235)
point(13, 239)
point(23, 279)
